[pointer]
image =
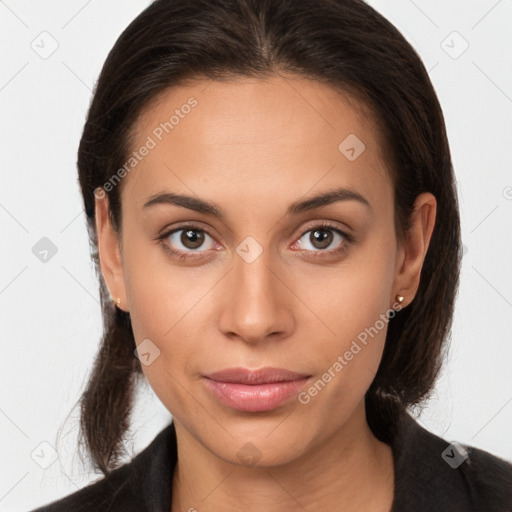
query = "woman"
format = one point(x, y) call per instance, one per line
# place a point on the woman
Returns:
point(271, 203)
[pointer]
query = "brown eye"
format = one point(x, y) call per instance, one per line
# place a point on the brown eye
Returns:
point(188, 239)
point(321, 238)
point(191, 238)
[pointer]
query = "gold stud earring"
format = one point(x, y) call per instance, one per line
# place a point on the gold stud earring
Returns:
point(117, 301)
point(399, 299)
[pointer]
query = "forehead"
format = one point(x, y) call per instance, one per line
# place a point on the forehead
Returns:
point(260, 135)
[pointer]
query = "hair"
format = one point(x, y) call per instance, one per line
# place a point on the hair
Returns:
point(343, 43)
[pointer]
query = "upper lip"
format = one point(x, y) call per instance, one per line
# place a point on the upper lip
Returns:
point(261, 376)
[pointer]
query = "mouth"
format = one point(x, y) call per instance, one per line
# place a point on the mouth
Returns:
point(255, 390)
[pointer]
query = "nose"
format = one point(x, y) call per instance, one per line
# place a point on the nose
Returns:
point(258, 301)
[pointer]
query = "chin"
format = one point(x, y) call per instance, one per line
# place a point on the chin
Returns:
point(263, 443)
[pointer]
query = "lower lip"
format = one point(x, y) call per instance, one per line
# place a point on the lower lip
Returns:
point(254, 398)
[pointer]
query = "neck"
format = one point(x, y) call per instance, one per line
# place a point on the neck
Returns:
point(351, 468)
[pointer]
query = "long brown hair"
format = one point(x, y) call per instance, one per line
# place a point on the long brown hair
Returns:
point(344, 43)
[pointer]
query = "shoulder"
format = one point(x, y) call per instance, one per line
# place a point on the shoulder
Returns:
point(110, 493)
point(131, 487)
point(432, 473)
point(489, 479)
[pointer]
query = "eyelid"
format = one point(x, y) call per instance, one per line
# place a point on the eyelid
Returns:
point(168, 229)
point(319, 224)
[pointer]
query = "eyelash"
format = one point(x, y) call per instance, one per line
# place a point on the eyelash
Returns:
point(348, 240)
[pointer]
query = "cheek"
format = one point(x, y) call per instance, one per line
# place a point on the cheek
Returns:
point(352, 297)
point(354, 303)
point(156, 290)
point(170, 306)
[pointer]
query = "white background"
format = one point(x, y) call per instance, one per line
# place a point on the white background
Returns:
point(50, 314)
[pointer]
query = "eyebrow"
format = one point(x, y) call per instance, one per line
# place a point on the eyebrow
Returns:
point(210, 208)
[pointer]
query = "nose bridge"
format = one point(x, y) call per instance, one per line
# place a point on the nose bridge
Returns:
point(256, 305)
point(252, 269)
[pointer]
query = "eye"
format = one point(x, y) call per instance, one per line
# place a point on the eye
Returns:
point(186, 241)
point(321, 237)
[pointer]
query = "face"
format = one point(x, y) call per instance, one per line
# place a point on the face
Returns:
point(249, 271)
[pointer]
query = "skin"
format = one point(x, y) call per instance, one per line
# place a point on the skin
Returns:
point(254, 146)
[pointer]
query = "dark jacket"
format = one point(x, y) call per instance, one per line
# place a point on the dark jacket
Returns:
point(431, 475)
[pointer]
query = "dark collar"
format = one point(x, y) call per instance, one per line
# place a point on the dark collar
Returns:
point(424, 480)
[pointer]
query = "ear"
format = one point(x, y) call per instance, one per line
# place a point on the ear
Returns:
point(411, 253)
point(109, 251)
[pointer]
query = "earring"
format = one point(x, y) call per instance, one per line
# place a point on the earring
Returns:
point(117, 301)
point(399, 299)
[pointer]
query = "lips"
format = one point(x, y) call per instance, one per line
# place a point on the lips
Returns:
point(251, 377)
point(254, 390)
